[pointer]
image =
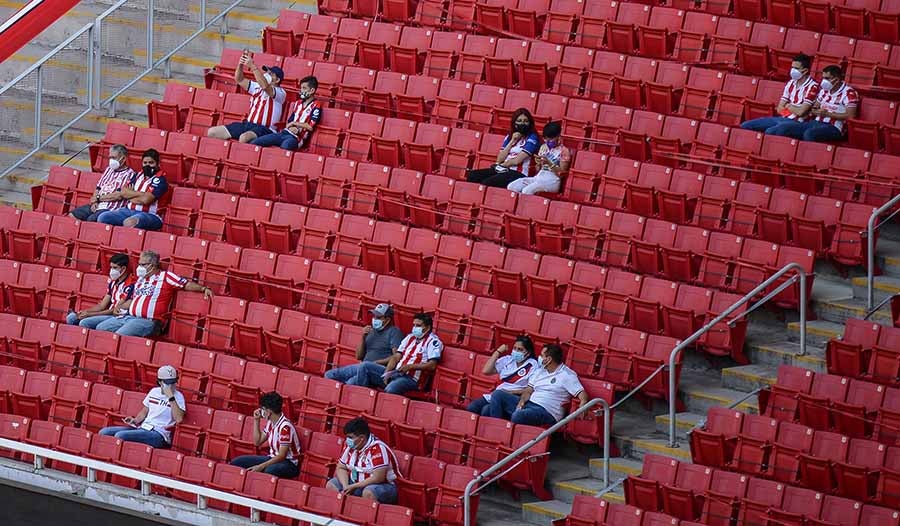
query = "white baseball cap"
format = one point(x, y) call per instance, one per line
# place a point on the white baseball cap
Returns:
point(167, 372)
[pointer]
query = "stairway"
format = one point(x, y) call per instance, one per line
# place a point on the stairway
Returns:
point(770, 343)
point(64, 77)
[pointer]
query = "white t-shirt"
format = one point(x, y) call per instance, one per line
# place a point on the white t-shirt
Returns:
point(513, 376)
point(265, 110)
point(159, 413)
point(553, 391)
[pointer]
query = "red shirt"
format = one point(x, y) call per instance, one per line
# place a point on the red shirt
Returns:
point(363, 462)
point(415, 351)
point(153, 294)
point(282, 433)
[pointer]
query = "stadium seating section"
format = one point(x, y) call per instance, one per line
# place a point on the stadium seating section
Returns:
point(669, 214)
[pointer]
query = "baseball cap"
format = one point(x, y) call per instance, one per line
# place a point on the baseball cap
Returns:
point(278, 72)
point(167, 372)
point(382, 309)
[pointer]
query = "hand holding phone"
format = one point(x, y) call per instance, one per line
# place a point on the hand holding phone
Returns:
point(129, 421)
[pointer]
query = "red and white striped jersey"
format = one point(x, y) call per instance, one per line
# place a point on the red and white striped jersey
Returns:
point(120, 290)
point(112, 181)
point(153, 294)
point(415, 351)
point(361, 463)
point(799, 93)
point(282, 433)
point(310, 114)
point(157, 185)
point(265, 110)
point(837, 102)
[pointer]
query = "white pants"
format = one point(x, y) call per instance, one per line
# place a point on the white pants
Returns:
point(544, 181)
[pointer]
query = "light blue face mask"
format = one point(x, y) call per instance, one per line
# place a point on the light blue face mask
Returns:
point(418, 332)
point(518, 356)
point(350, 442)
point(377, 324)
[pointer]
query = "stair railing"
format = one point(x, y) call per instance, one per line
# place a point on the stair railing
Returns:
point(870, 246)
point(790, 267)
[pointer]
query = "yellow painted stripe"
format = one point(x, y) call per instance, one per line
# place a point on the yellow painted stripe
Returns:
point(536, 507)
point(755, 377)
point(616, 466)
point(203, 63)
point(880, 285)
point(814, 330)
point(807, 359)
point(680, 424)
point(615, 498)
point(682, 453)
point(29, 106)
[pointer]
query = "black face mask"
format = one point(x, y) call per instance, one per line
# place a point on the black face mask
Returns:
point(149, 171)
point(523, 128)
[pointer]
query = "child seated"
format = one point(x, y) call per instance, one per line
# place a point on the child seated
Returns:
point(552, 159)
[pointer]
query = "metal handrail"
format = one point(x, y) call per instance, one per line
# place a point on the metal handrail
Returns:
point(19, 15)
point(673, 388)
point(607, 424)
point(878, 307)
point(870, 244)
point(148, 479)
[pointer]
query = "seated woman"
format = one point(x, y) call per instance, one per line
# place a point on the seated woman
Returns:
point(513, 369)
point(552, 159)
point(514, 158)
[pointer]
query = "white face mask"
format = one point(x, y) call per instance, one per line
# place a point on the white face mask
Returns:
point(827, 85)
point(796, 73)
point(141, 271)
point(114, 274)
point(114, 164)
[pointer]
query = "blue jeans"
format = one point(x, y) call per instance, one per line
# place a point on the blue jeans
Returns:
point(479, 406)
point(345, 375)
point(130, 434)
point(368, 374)
point(88, 323)
point(764, 124)
point(532, 415)
point(127, 325)
point(820, 131)
point(502, 404)
point(284, 140)
point(117, 217)
point(384, 493)
point(284, 469)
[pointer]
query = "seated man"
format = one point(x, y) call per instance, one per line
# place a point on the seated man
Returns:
point(305, 114)
point(514, 371)
point(164, 407)
point(552, 159)
point(284, 443)
point(106, 195)
point(411, 367)
point(153, 294)
point(367, 468)
point(837, 102)
point(141, 195)
point(118, 293)
point(265, 106)
point(379, 342)
point(796, 100)
point(546, 398)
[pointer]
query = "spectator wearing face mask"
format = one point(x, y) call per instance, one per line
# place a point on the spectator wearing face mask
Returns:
point(106, 195)
point(118, 294)
point(303, 118)
point(278, 431)
point(836, 103)
point(163, 407)
point(141, 195)
point(797, 99)
point(514, 159)
point(514, 370)
point(552, 159)
point(267, 99)
point(379, 342)
point(151, 299)
point(411, 367)
point(367, 467)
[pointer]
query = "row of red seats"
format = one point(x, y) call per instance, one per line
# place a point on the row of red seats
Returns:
point(716, 497)
point(658, 86)
point(658, 32)
point(797, 454)
point(833, 402)
point(194, 470)
point(593, 511)
point(866, 350)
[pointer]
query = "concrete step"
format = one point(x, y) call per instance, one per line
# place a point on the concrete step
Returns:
point(883, 287)
point(786, 352)
point(565, 490)
point(890, 265)
point(684, 422)
point(818, 332)
point(636, 446)
point(839, 311)
point(544, 513)
point(700, 391)
point(746, 378)
point(619, 467)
